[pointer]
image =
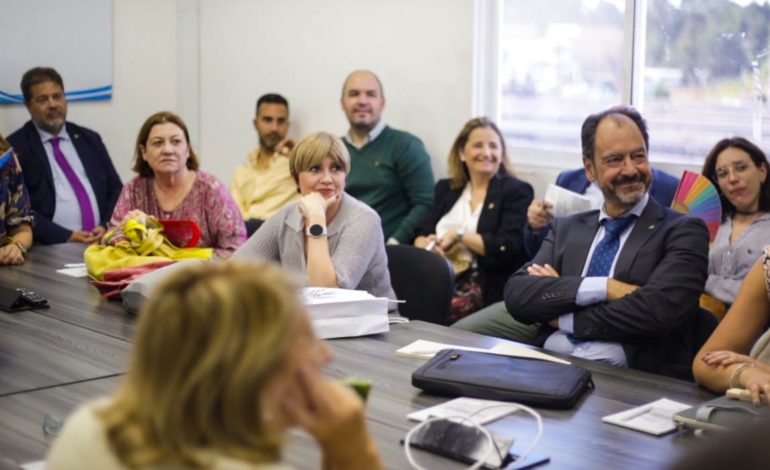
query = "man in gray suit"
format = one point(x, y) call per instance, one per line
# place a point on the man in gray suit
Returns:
point(619, 285)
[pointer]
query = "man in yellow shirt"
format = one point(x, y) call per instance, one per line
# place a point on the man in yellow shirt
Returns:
point(263, 184)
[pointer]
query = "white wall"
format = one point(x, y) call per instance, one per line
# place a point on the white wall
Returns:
point(303, 49)
point(209, 60)
point(145, 78)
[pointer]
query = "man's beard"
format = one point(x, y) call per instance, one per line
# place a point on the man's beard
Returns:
point(269, 141)
point(362, 127)
point(626, 198)
point(52, 124)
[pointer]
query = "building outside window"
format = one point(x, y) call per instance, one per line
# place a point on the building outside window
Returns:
point(698, 70)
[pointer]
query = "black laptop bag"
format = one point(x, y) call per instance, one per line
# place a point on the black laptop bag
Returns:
point(495, 377)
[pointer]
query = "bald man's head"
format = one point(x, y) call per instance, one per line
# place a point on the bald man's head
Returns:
point(363, 100)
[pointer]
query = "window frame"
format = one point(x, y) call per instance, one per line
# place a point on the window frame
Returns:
point(486, 93)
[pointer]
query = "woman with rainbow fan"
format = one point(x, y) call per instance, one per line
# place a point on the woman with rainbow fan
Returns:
point(738, 169)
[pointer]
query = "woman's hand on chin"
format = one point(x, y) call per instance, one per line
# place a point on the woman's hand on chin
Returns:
point(334, 415)
point(313, 206)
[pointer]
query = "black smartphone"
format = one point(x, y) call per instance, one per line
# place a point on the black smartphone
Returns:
point(461, 442)
point(15, 300)
point(32, 298)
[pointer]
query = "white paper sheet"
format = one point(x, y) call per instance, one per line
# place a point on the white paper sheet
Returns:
point(565, 202)
point(424, 349)
point(653, 418)
point(467, 407)
point(74, 272)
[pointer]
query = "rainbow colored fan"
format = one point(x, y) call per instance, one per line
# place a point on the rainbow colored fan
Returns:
point(696, 196)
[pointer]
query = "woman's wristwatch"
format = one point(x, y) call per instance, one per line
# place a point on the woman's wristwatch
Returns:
point(316, 231)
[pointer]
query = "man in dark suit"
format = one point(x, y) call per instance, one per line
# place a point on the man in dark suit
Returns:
point(619, 285)
point(663, 189)
point(71, 180)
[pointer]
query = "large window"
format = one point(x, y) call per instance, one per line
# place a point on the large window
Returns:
point(696, 69)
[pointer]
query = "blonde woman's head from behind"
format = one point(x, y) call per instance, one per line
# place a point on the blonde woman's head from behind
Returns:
point(211, 344)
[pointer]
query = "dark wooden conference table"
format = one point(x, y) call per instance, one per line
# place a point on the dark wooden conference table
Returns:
point(52, 360)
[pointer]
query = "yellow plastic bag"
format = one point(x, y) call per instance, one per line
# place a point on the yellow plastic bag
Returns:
point(139, 241)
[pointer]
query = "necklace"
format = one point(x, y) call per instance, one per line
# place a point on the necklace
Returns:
point(747, 217)
point(747, 213)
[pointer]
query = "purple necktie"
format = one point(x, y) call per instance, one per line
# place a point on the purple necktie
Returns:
point(86, 211)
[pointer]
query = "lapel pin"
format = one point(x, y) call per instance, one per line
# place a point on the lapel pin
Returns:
point(651, 226)
point(491, 205)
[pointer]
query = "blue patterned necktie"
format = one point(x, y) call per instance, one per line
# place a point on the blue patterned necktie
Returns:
point(605, 251)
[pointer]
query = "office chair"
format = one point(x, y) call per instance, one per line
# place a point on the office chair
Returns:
point(424, 280)
point(705, 324)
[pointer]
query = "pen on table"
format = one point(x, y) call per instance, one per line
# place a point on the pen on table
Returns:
point(429, 246)
point(637, 414)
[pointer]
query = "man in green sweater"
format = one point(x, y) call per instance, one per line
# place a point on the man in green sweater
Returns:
point(389, 169)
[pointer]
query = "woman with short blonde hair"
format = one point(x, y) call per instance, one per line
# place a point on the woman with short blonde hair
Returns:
point(328, 235)
point(314, 150)
point(224, 361)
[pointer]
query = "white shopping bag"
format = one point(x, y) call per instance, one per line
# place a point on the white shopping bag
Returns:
point(342, 313)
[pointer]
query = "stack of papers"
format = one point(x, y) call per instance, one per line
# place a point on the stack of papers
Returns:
point(481, 411)
point(565, 202)
point(423, 349)
point(653, 418)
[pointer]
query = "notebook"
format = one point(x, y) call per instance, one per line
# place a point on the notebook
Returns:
point(653, 418)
